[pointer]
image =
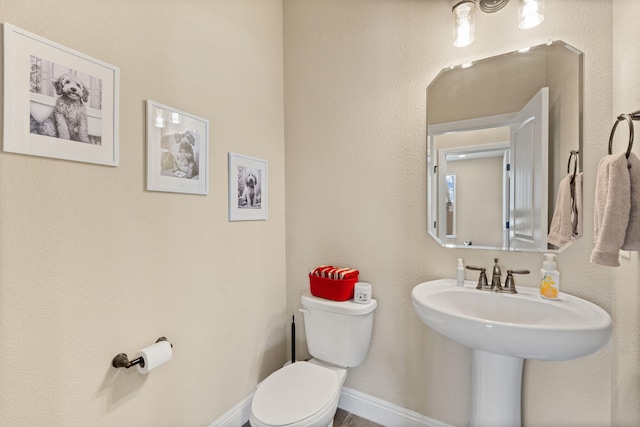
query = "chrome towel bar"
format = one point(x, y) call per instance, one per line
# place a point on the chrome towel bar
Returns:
point(629, 119)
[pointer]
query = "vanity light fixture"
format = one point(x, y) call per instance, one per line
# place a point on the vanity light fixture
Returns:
point(530, 14)
point(175, 118)
point(464, 22)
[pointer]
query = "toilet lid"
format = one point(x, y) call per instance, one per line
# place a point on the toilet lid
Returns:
point(294, 393)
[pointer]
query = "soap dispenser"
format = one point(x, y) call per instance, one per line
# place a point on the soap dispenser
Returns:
point(549, 278)
point(460, 273)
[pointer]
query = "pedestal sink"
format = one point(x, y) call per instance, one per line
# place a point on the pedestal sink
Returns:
point(503, 330)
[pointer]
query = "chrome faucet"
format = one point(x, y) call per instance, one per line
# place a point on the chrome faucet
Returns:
point(495, 277)
point(496, 285)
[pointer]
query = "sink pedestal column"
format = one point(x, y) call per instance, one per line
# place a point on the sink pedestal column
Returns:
point(496, 389)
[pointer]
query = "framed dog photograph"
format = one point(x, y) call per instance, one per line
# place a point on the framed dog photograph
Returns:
point(58, 102)
point(248, 188)
point(177, 150)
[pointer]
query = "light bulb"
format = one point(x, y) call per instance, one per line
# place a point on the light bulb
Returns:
point(530, 13)
point(464, 23)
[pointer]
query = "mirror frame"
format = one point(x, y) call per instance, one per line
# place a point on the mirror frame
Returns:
point(556, 159)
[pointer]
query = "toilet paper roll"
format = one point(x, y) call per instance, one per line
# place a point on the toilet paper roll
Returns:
point(154, 356)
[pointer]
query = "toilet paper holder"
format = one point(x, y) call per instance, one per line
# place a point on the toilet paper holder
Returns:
point(122, 360)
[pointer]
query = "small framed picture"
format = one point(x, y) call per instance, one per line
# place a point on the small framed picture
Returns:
point(177, 150)
point(58, 102)
point(248, 189)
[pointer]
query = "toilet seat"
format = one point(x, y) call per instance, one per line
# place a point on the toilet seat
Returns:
point(296, 395)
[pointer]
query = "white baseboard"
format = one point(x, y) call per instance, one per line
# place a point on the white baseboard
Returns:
point(352, 401)
point(383, 412)
point(236, 416)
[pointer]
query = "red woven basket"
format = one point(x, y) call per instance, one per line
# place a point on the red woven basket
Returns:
point(333, 289)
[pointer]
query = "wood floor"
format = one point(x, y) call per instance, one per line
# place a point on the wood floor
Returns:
point(345, 419)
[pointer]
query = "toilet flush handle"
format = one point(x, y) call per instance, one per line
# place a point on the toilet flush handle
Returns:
point(304, 311)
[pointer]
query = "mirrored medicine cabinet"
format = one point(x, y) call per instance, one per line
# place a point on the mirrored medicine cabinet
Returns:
point(502, 132)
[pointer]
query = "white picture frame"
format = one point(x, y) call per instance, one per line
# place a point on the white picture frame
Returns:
point(248, 188)
point(177, 150)
point(58, 102)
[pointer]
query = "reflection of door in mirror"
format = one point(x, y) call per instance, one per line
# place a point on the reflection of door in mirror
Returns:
point(502, 200)
point(529, 148)
point(489, 94)
point(478, 159)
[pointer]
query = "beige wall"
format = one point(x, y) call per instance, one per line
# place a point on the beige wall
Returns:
point(458, 96)
point(356, 74)
point(626, 292)
point(92, 265)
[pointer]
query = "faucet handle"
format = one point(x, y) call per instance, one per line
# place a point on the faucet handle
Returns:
point(482, 280)
point(510, 283)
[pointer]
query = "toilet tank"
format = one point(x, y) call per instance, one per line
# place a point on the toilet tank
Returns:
point(338, 332)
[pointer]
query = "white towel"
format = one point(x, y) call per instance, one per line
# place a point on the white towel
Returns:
point(611, 210)
point(566, 223)
point(632, 238)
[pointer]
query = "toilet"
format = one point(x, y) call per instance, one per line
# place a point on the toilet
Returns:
point(306, 393)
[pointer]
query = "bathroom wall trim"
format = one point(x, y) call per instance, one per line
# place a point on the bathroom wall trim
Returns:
point(236, 416)
point(383, 412)
point(355, 402)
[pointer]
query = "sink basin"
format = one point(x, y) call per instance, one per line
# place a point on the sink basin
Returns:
point(519, 325)
point(503, 330)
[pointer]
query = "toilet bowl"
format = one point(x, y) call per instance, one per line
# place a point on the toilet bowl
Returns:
point(306, 394)
point(300, 394)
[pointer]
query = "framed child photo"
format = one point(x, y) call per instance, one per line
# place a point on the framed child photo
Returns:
point(248, 188)
point(177, 150)
point(58, 102)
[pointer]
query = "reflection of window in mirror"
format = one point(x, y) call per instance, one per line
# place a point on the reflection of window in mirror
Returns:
point(450, 208)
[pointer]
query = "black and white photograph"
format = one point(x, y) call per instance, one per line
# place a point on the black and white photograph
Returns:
point(180, 154)
point(177, 147)
point(60, 103)
point(65, 103)
point(247, 188)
